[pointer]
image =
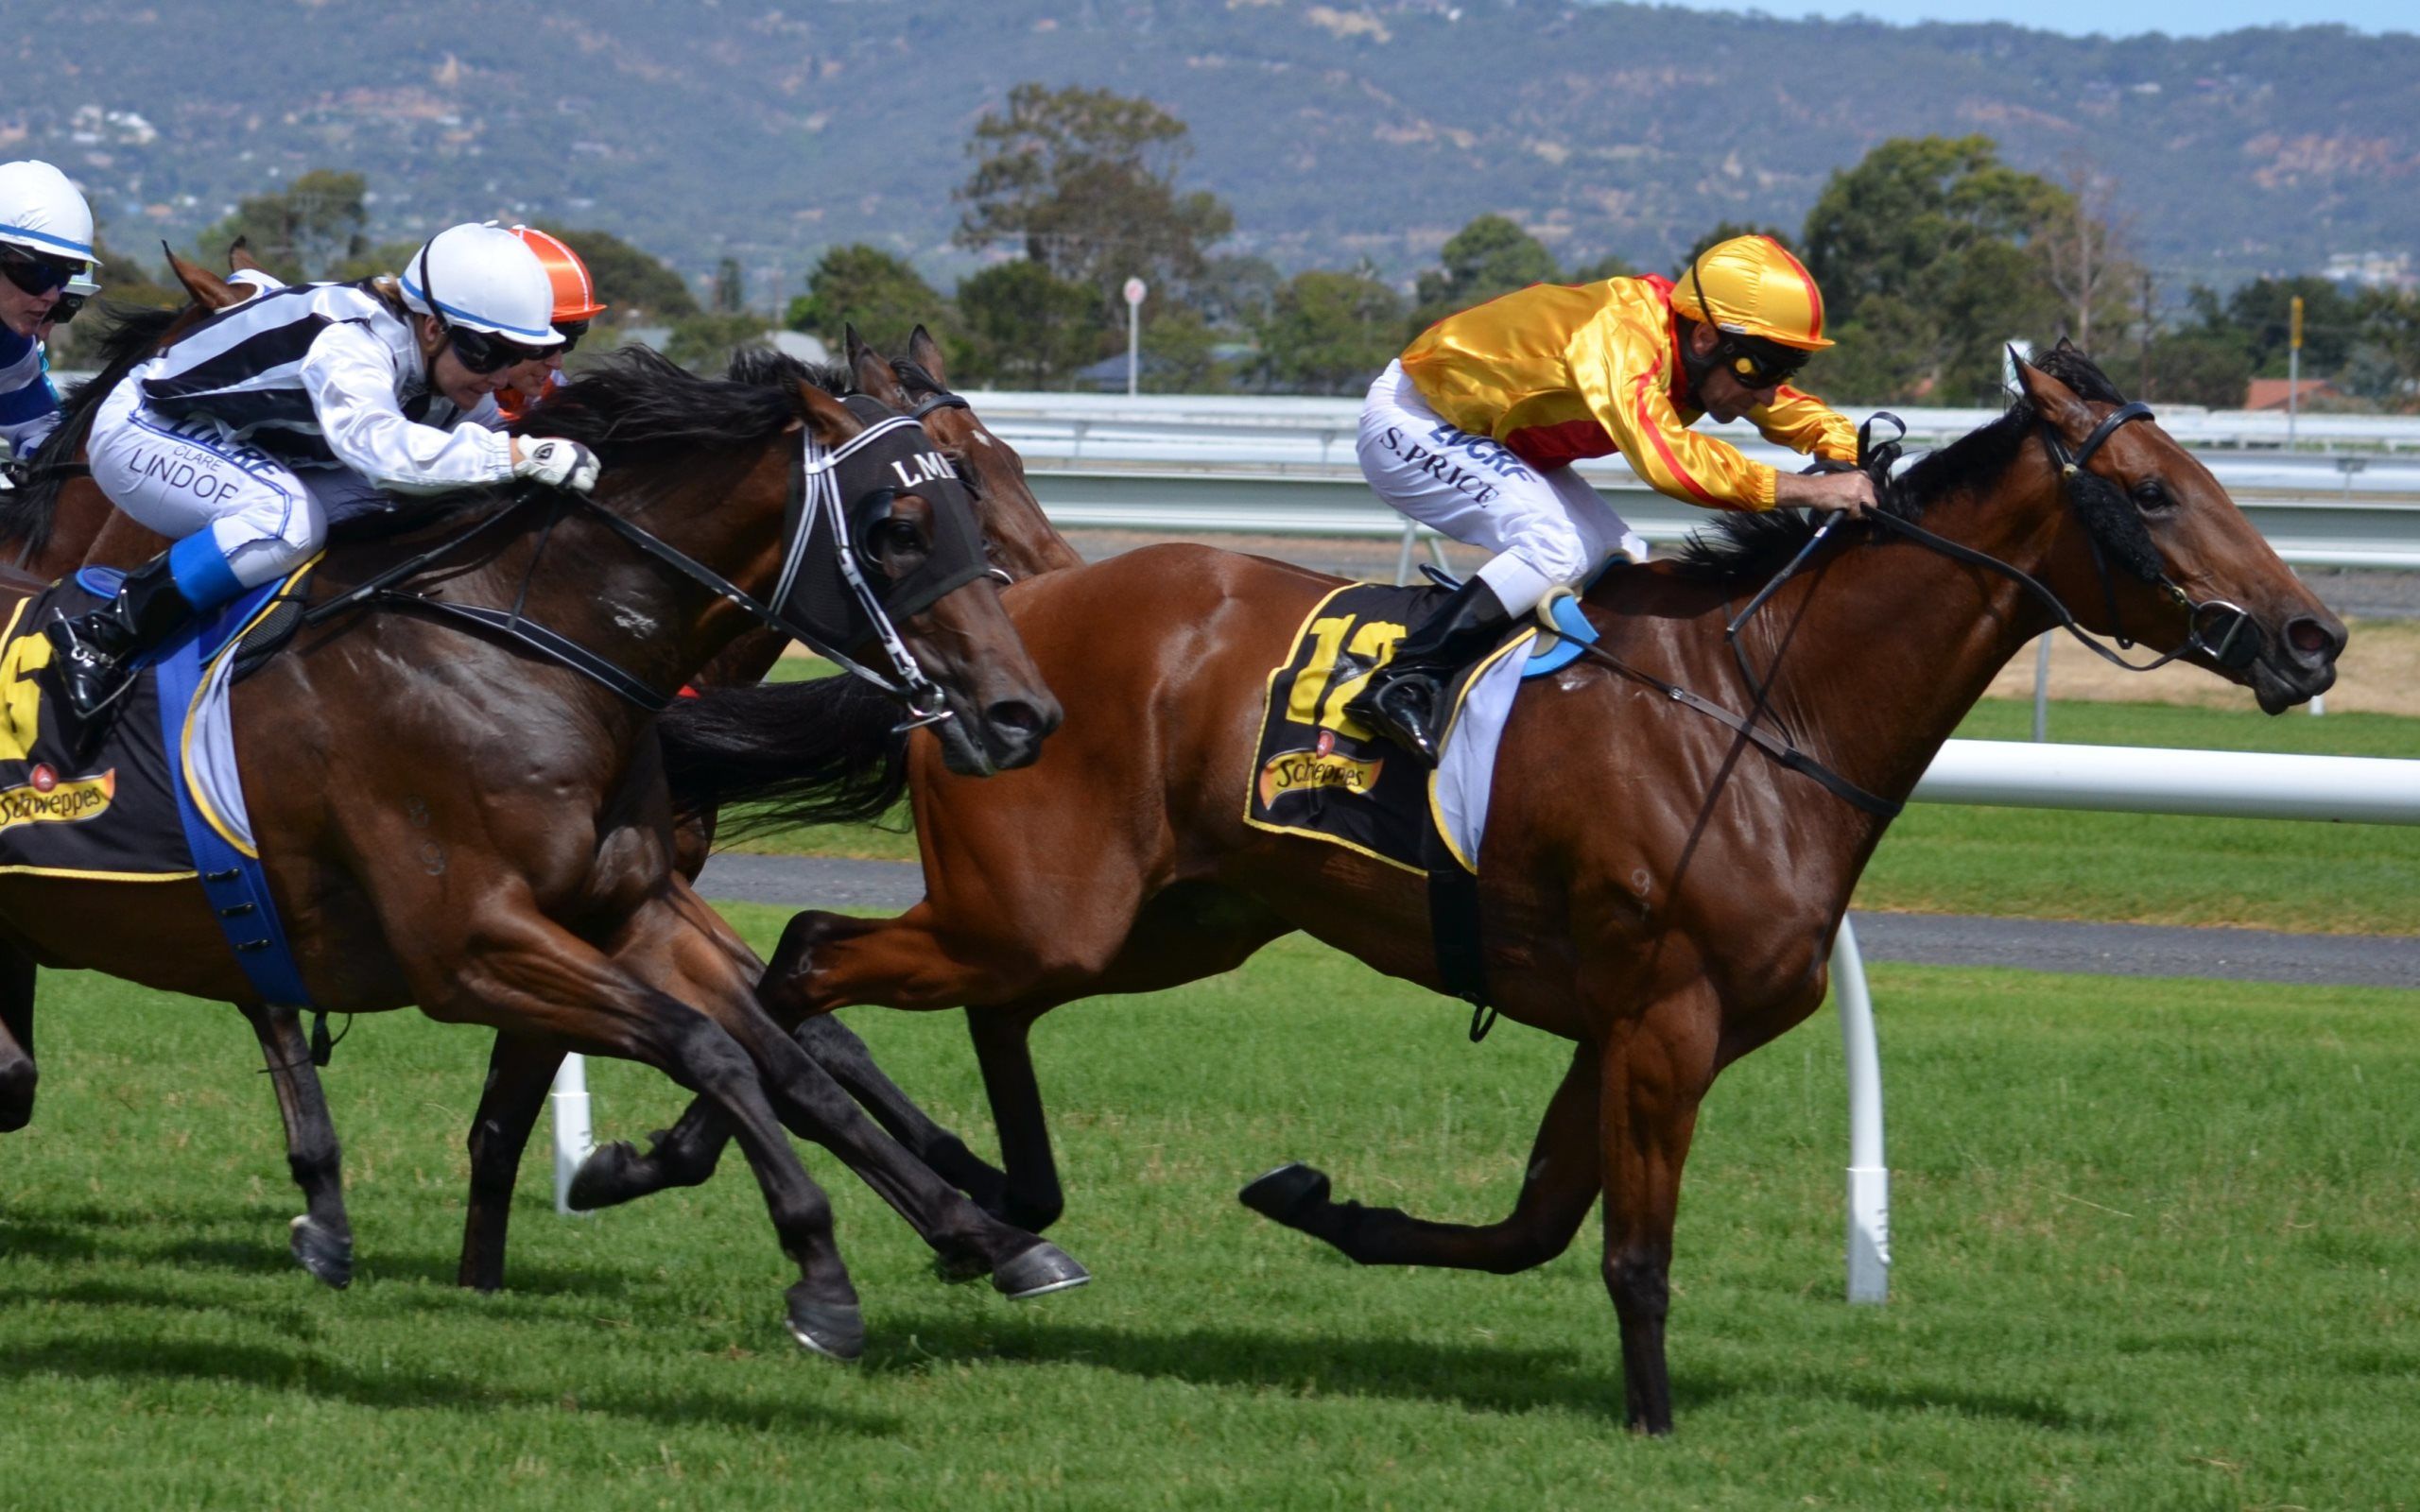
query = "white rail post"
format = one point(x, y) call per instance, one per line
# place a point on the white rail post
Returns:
point(1869, 1217)
point(2042, 689)
point(1403, 557)
point(573, 1139)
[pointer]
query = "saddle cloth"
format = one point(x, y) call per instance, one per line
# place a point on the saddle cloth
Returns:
point(160, 800)
point(1321, 774)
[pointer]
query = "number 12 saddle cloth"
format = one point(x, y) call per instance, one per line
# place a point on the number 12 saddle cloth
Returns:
point(157, 800)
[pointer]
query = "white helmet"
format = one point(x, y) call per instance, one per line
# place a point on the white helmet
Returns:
point(483, 278)
point(41, 212)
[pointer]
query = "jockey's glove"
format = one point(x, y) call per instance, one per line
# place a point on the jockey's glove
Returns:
point(557, 463)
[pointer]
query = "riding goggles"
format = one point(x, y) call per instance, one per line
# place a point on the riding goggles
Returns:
point(484, 352)
point(573, 330)
point(1759, 365)
point(36, 274)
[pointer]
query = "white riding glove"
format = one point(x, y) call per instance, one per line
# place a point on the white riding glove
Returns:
point(558, 463)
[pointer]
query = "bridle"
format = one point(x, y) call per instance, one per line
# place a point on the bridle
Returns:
point(816, 500)
point(2238, 641)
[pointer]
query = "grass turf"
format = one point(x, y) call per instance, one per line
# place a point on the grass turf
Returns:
point(2156, 1247)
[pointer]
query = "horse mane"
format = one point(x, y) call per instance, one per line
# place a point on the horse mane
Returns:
point(1751, 547)
point(635, 404)
point(132, 332)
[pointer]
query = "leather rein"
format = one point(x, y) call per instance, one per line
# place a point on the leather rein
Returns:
point(2238, 643)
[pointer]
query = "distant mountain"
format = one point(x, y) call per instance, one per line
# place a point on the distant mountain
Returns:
point(768, 128)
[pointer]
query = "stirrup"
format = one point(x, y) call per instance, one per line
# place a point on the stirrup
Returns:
point(1370, 708)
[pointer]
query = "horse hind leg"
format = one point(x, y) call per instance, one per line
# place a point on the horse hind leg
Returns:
point(18, 1075)
point(321, 1237)
point(1560, 1184)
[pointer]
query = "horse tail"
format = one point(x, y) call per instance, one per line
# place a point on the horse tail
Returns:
point(787, 753)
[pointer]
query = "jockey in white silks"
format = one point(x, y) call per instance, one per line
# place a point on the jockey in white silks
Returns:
point(46, 275)
point(233, 441)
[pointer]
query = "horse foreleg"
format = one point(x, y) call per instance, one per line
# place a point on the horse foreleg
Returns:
point(18, 1075)
point(519, 1074)
point(321, 1238)
point(1560, 1184)
point(1655, 1071)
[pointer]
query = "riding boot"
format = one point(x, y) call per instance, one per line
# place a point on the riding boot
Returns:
point(91, 653)
point(1401, 698)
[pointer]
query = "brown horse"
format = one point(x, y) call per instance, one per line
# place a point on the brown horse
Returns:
point(531, 888)
point(1022, 543)
point(1653, 886)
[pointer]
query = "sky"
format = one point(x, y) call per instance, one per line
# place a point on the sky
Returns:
point(2184, 18)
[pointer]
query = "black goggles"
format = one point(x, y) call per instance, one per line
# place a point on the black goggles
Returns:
point(573, 330)
point(36, 274)
point(1759, 365)
point(484, 352)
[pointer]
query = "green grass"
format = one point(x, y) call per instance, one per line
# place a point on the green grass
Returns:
point(2157, 1248)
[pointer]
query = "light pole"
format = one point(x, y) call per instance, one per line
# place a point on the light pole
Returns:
point(1134, 292)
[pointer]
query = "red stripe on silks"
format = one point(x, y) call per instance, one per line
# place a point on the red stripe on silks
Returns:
point(1656, 434)
point(1814, 295)
point(688, 691)
point(1547, 447)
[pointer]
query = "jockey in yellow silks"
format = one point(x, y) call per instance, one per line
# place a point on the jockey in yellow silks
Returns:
point(1473, 430)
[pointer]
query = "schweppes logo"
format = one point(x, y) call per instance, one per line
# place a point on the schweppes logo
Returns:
point(1301, 771)
point(42, 798)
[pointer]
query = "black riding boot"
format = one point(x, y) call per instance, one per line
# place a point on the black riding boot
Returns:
point(90, 653)
point(1400, 701)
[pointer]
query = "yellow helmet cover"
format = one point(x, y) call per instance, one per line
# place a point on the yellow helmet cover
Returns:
point(1756, 290)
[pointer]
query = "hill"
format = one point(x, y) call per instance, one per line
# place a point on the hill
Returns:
point(1336, 132)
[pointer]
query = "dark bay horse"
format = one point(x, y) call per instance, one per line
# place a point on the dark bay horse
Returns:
point(452, 823)
point(1653, 886)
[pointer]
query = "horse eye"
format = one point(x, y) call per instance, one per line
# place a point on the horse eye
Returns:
point(898, 536)
point(2150, 494)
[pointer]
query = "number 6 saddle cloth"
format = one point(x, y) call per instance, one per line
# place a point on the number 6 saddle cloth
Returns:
point(1321, 774)
point(159, 799)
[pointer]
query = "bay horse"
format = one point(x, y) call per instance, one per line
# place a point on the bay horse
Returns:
point(1653, 886)
point(451, 822)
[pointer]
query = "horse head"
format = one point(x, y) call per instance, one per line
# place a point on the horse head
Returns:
point(2153, 550)
point(914, 544)
point(1019, 537)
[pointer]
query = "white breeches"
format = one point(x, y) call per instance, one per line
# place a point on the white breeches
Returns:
point(180, 478)
point(1548, 529)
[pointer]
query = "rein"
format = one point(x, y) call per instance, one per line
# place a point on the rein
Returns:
point(2232, 648)
point(925, 702)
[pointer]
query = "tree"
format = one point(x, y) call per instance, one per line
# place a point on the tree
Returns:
point(1026, 327)
point(1725, 230)
point(2084, 255)
point(883, 295)
point(1922, 252)
point(730, 288)
point(1086, 181)
point(1329, 333)
point(303, 230)
point(1492, 255)
point(1613, 265)
point(2262, 312)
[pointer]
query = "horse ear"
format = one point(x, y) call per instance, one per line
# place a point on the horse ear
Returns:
point(829, 419)
point(2052, 400)
point(208, 290)
point(872, 371)
point(926, 353)
point(240, 258)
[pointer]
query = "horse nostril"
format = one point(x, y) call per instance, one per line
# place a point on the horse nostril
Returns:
point(1016, 716)
point(2311, 639)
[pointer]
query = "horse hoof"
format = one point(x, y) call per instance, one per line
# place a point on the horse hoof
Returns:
point(836, 1333)
point(16, 1096)
point(608, 1177)
point(1038, 1272)
point(322, 1252)
point(1288, 1193)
